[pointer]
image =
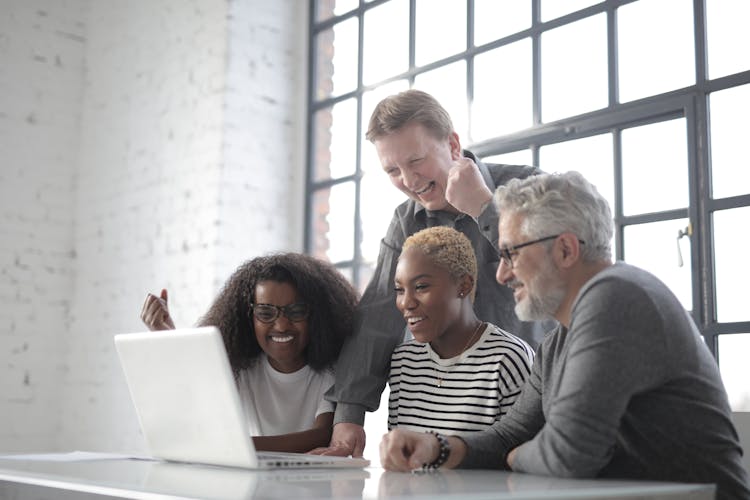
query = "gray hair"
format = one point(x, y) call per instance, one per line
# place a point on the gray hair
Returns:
point(558, 203)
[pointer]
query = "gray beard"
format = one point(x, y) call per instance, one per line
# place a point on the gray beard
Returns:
point(541, 307)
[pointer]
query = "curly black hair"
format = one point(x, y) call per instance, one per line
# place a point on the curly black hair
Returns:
point(331, 297)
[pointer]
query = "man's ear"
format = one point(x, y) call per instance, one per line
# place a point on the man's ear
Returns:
point(455, 146)
point(569, 249)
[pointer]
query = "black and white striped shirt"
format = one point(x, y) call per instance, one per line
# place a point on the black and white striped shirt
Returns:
point(478, 386)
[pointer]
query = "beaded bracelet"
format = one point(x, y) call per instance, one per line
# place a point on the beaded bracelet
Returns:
point(443, 453)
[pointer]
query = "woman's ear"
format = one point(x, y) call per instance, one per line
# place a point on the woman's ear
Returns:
point(465, 285)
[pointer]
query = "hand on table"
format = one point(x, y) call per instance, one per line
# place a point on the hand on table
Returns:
point(347, 439)
point(404, 451)
point(511, 457)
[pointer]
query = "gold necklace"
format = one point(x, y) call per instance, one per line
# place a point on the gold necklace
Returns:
point(441, 375)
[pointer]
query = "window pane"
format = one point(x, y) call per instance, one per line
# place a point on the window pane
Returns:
point(330, 8)
point(552, 9)
point(735, 372)
point(336, 63)
point(591, 156)
point(447, 84)
point(347, 272)
point(440, 29)
point(371, 99)
point(730, 259)
point(654, 247)
point(502, 105)
point(656, 47)
point(523, 157)
point(335, 140)
point(494, 20)
point(378, 197)
point(655, 167)
point(730, 167)
point(324, 64)
point(386, 55)
point(366, 270)
point(333, 222)
point(726, 32)
point(574, 68)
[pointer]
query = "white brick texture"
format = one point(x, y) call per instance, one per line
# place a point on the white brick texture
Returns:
point(41, 77)
point(145, 144)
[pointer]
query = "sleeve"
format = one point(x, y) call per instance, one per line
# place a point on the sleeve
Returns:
point(500, 175)
point(362, 367)
point(613, 353)
point(487, 222)
point(515, 368)
point(325, 406)
point(487, 449)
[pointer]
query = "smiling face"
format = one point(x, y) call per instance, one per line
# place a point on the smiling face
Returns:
point(537, 287)
point(283, 341)
point(417, 163)
point(428, 297)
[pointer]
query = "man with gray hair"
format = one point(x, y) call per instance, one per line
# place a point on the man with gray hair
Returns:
point(625, 387)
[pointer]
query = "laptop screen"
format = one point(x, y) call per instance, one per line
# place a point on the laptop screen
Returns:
point(187, 402)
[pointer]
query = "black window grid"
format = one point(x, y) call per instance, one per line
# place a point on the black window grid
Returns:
point(690, 103)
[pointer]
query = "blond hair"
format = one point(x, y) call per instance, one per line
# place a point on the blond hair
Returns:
point(448, 249)
point(410, 106)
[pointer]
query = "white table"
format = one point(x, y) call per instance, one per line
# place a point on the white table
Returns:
point(150, 480)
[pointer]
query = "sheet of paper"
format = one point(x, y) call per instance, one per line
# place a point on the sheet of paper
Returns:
point(73, 456)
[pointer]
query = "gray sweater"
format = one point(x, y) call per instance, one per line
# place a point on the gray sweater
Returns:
point(629, 391)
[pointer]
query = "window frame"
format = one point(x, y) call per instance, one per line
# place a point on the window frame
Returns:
point(690, 103)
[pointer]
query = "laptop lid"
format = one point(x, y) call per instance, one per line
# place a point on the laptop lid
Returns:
point(187, 402)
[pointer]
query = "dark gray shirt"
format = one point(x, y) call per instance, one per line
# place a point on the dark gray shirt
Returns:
point(629, 391)
point(362, 368)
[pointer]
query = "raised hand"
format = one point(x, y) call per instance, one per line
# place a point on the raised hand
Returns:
point(465, 189)
point(155, 312)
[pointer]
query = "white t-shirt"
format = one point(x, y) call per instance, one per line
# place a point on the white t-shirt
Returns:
point(280, 403)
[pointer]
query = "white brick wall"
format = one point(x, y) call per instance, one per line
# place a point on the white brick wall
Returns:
point(264, 103)
point(41, 75)
point(180, 142)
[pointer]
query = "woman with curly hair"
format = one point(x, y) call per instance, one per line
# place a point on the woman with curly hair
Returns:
point(283, 318)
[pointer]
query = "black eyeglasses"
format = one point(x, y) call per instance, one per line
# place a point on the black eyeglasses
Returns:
point(267, 313)
point(508, 253)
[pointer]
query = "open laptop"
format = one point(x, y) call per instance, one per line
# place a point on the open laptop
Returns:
point(188, 404)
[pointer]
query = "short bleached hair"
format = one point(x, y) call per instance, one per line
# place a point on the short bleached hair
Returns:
point(448, 249)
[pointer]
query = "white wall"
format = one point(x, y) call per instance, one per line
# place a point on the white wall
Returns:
point(264, 129)
point(41, 76)
point(167, 135)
